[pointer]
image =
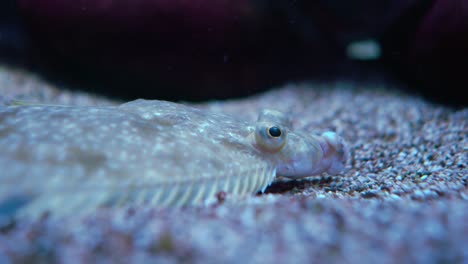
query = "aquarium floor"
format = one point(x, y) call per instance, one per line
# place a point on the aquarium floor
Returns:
point(403, 198)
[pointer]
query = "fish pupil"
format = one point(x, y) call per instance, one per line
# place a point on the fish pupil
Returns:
point(274, 131)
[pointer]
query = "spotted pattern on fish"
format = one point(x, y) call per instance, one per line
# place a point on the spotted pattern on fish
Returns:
point(68, 158)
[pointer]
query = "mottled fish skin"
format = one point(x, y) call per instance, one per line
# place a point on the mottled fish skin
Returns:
point(68, 158)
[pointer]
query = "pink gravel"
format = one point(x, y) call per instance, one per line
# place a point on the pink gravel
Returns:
point(403, 198)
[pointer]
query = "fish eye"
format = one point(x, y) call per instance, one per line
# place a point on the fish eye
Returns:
point(274, 132)
point(270, 137)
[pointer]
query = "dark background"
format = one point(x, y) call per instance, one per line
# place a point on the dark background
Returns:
point(206, 49)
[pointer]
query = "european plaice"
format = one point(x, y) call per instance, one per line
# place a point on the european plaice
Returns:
point(63, 159)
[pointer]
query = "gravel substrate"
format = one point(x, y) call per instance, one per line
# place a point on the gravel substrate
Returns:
point(403, 198)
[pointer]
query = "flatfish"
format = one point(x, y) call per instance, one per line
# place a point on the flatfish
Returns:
point(62, 158)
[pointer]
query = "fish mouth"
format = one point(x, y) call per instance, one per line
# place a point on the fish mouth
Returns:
point(335, 152)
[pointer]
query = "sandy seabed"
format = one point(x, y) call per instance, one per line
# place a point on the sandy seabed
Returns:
point(402, 199)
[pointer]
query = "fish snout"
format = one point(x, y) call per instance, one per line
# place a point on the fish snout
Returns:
point(336, 152)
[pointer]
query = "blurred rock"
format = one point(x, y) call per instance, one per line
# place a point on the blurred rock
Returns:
point(428, 47)
point(202, 49)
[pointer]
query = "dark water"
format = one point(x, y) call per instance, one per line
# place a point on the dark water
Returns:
point(205, 50)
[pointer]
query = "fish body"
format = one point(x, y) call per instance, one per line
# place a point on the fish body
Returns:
point(149, 152)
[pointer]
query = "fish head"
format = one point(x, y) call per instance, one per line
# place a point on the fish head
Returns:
point(298, 154)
